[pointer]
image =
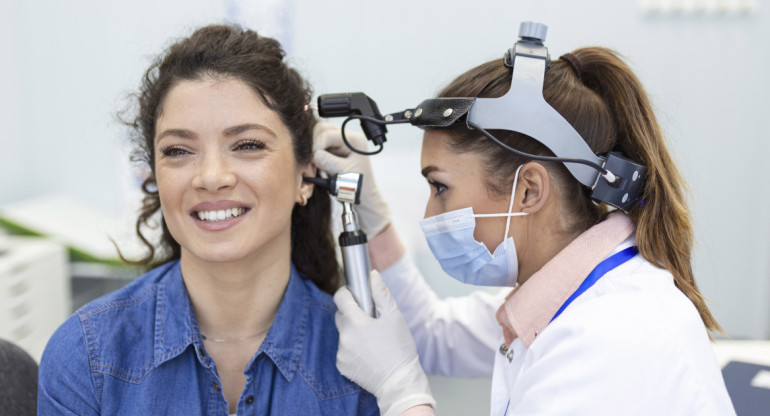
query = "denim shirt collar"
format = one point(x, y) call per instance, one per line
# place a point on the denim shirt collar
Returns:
point(176, 327)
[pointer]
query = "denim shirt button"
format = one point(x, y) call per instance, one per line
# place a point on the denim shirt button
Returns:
point(201, 351)
point(250, 400)
point(216, 386)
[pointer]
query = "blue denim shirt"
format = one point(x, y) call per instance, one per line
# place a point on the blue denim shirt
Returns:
point(138, 351)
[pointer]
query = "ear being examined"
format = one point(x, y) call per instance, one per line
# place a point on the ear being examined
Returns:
point(306, 188)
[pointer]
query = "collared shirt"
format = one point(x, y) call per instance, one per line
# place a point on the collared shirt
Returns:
point(630, 344)
point(138, 351)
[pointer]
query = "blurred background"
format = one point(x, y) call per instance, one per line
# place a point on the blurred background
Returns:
point(68, 69)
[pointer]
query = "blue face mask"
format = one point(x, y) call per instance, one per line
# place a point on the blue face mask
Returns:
point(450, 238)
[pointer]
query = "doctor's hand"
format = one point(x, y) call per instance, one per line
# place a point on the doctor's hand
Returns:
point(332, 156)
point(380, 354)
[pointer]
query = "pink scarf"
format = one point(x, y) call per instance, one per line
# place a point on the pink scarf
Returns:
point(530, 307)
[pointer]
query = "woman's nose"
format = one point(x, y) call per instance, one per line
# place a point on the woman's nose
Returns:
point(214, 173)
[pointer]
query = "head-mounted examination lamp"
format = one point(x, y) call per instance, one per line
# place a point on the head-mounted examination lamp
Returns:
point(612, 178)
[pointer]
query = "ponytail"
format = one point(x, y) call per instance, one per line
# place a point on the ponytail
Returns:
point(602, 99)
point(664, 231)
point(605, 103)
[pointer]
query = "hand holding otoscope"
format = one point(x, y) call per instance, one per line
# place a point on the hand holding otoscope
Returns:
point(355, 255)
point(369, 218)
point(333, 156)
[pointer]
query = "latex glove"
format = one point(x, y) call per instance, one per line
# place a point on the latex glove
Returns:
point(380, 354)
point(332, 156)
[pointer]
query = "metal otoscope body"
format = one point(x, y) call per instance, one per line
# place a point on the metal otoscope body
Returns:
point(353, 243)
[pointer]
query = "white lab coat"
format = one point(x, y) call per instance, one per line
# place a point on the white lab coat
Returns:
point(631, 344)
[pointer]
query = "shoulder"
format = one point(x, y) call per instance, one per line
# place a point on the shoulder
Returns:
point(125, 313)
point(319, 300)
point(137, 299)
point(320, 327)
point(320, 336)
point(65, 379)
point(145, 286)
point(635, 303)
point(641, 297)
point(101, 330)
point(318, 367)
point(633, 326)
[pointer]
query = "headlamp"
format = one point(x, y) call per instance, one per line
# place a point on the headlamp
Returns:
point(612, 178)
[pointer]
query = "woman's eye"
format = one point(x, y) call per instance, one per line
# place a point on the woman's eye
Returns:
point(173, 151)
point(250, 145)
point(438, 186)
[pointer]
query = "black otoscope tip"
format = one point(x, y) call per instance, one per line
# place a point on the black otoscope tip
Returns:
point(325, 183)
point(318, 181)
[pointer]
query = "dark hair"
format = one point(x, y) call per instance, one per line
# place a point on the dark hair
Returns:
point(225, 51)
point(608, 106)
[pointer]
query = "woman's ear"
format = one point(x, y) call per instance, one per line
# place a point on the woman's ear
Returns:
point(534, 188)
point(306, 188)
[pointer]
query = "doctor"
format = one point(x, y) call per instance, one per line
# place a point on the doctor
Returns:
point(602, 314)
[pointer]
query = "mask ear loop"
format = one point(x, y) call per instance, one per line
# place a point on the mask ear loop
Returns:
point(510, 207)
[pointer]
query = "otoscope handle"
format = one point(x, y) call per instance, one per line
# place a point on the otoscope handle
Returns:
point(355, 259)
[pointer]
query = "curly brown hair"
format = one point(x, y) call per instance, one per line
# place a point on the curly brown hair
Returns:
point(221, 50)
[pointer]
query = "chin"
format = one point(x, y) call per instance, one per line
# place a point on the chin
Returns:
point(215, 255)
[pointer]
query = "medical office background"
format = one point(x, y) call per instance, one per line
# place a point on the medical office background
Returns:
point(67, 68)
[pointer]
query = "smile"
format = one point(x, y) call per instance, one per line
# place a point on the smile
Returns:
point(220, 215)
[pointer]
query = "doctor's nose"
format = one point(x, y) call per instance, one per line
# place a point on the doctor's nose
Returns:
point(431, 210)
point(213, 174)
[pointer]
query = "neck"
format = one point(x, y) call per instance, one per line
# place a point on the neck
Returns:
point(545, 234)
point(237, 299)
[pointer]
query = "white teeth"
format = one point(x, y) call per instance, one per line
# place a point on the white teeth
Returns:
point(221, 215)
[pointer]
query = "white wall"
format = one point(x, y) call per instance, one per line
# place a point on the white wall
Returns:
point(12, 156)
point(66, 68)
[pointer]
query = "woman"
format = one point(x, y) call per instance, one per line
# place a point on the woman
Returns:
point(605, 316)
point(238, 318)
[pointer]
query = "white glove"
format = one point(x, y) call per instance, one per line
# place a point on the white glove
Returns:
point(332, 156)
point(380, 354)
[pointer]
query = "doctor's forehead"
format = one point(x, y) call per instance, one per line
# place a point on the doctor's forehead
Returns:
point(435, 148)
point(439, 156)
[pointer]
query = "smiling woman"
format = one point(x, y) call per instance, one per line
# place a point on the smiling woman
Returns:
point(237, 316)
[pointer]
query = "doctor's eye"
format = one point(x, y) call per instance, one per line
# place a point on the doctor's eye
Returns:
point(173, 151)
point(250, 145)
point(438, 186)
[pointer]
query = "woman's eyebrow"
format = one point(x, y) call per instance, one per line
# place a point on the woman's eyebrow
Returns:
point(428, 169)
point(182, 133)
point(235, 130)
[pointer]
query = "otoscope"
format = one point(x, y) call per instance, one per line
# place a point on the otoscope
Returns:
point(355, 253)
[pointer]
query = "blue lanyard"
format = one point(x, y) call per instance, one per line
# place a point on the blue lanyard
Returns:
point(603, 268)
